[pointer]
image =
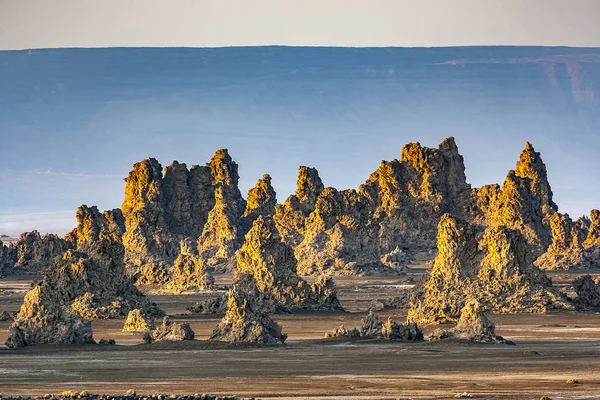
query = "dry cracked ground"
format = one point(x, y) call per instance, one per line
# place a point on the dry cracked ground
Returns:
point(550, 350)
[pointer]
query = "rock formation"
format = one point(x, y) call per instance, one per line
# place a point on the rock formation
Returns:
point(88, 282)
point(498, 271)
point(272, 265)
point(189, 271)
point(473, 326)
point(41, 320)
point(170, 331)
point(372, 327)
point(566, 250)
point(524, 203)
point(223, 232)
point(341, 331)
point(588, 291)
point(137, 322)
point(247, 319)
point(262, 200)
point(290, 216)
point(36, 252)
point(339, 237)
point(214, 305)
point(8, 258)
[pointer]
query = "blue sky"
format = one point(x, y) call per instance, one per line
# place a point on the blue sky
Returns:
point(73, 121)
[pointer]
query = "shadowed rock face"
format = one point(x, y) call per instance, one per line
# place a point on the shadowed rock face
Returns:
point(498, 272)
point(36, 252)
point(8, 258)
point(588, 291)
point(247, 319)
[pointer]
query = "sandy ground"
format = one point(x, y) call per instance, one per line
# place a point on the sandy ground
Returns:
point(308, 367)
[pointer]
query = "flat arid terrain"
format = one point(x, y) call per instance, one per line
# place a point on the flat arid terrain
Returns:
point(550, 349)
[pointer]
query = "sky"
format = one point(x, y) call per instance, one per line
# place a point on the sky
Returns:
point(73, 121)
point(196, 23)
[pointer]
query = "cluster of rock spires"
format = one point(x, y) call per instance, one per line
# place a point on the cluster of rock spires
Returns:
point(379, 228)
point(87, 282)
point(372, 327)
point(391, 218)
point(492, 266)
point(178, 226)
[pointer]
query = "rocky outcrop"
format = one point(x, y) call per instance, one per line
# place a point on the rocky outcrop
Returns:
point(189, 271)
point(8, 258)
point(41, 320)
point(262, 200)
point(146, 237)
point(89, 282)
point(524, 203)
point(408, 197)
point(272, 265)
point(290, 216)
point(588, 291)
point(472, 326)
point(93, 226)
point(497, 271)
point(170, 331)
point(36, 252)
point(223, 232)
point(339, 237)
point(566, 250)
point(138, 322)
point(213, 305)
point(247, 319)
point(341, 331)
point(372, 327)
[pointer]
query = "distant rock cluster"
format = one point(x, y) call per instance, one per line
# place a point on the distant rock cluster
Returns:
point(178, 226)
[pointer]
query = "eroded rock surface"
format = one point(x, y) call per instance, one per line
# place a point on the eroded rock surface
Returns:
point(272, 264)
point(496, 270)
point(472, 326)
point(138, 322)
point(170, 331)
point(588, 291)
point(88, 282)
point(223, 232)
point(247, 319)
point(372, 327)
point(36, 252)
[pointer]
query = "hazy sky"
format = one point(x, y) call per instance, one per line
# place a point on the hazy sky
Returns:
point(197, 23)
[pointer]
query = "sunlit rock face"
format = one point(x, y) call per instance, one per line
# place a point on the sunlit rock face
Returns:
point(407, 197)
point(523, 203)
point(495, 268)
point(223, 232)
point(291, 215)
